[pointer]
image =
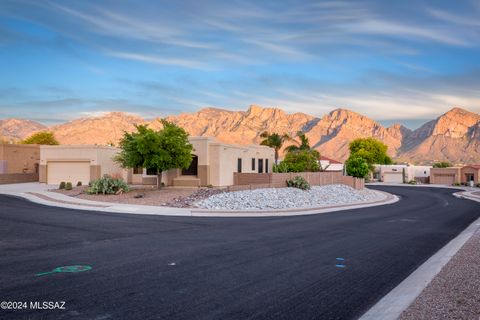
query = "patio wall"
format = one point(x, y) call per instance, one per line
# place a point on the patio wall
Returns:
point(18, 178)
point(244, 181)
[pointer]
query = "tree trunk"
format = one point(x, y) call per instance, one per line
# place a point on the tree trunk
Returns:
point(276, 156)
point(159, 179)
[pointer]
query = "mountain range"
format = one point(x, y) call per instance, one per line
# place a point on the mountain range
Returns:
point(453, 136)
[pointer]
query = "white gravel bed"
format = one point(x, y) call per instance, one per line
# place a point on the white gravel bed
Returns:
point(287, 198)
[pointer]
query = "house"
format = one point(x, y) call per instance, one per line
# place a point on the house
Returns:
point(401, 173)
point(77, 163)
point(453, 175)
point(19, 158)
point(213, 164)
point(329, 164)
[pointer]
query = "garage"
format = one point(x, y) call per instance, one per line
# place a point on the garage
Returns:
point(68, 171)
point(393, 177)
point(447, 179)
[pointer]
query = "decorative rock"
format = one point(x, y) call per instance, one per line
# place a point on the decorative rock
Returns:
point(286, 198)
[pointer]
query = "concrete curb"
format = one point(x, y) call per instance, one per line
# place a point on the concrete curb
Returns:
point(392, 305)
point(69, 202)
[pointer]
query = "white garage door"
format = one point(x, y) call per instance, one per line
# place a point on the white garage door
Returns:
point(393, 177)
point(68, 171)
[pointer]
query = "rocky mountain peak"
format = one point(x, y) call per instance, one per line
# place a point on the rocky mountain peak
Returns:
point(455, 123)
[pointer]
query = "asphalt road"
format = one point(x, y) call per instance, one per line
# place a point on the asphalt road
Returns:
point(155, 267)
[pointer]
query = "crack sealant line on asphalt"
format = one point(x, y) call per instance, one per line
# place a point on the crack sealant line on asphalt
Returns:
point(391, 306)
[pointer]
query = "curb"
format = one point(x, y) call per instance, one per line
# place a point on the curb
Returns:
point(391, 306)
point(386, 198)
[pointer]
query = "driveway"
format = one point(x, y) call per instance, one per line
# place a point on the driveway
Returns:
point(156, 267)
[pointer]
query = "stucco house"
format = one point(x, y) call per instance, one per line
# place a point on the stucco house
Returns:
point(400, 173)
point(213, 164)
point(449, 176)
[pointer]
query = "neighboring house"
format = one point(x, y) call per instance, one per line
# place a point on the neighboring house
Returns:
point(328, 164)
point(213, 164)
point(452, 175)
point(19, 158)
point(401, 173)
point(74, 163)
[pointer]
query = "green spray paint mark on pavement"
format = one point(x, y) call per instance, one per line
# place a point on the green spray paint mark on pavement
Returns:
point(68, 269)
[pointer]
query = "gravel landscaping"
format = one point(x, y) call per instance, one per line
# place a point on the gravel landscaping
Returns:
point(285, 198)
point(455, 292)
point(168, 196)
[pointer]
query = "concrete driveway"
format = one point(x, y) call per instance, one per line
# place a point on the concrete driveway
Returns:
point(329, 266)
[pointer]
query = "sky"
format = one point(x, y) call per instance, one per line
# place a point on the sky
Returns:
point(393, 61)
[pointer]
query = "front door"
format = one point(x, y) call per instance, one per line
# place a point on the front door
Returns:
point(192, 170)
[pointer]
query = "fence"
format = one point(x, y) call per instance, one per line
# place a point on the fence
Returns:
point(7, 178)
point(244, 181)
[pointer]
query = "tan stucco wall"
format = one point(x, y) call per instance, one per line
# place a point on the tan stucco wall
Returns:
point(20, 158)
point(439, 171)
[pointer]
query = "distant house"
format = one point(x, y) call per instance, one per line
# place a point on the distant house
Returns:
point(329, 164)
point(452, 175)
point(400, 173)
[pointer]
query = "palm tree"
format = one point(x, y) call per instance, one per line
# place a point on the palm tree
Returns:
point(275, 141)
point(302, 145)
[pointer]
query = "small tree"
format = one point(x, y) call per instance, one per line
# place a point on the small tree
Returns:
point(161, 150)
point(442, 164)
point(371, 150)
point(357, 167)
point(274, 141)
point(43, 137)
point(301, 161)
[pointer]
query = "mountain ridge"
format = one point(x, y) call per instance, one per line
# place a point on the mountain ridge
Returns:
point(453, 136)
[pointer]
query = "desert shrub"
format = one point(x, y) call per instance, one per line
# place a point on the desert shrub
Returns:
point(62, 185)
point(282, 167)
point(478, 185)
point(442, 164)
point(298, 182)
point(357, 167)
point(108, 185)
point(79, 183)
point(68, 186)
point(456, 184)
point(301, 161)
point(412, 182)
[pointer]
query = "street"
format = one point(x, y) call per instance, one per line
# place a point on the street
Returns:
point(327, 266)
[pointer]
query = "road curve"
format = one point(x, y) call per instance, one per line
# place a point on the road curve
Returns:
point(157, 267)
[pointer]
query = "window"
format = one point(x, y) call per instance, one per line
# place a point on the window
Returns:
point(151, 172)
point(253, 164)
point(138, 170)
point(239, 165)
point(260, 165)
point(266, 165)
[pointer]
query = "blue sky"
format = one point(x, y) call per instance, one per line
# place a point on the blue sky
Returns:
point(403, 61)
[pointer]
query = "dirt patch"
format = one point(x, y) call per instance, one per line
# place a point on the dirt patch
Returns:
point(168, 196)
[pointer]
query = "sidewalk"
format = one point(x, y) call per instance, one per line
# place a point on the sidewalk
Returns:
point(39, 193)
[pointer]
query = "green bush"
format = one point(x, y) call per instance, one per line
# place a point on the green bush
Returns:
point(412, 182)
point(442, 164)
point(108, 185)
point(357, 167)
point(79, 183)
point(62, 185)
point(68, 186)
point(456, 184)
point(282, 167)
point(298, 182)
point(301, 161)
